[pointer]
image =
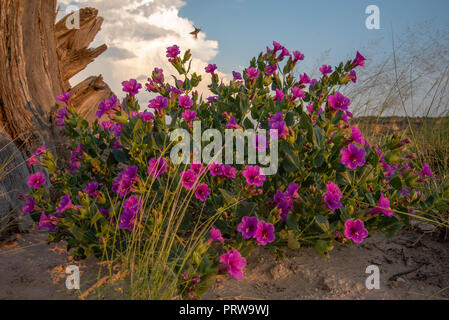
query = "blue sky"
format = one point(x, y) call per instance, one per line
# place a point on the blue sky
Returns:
point(244, 27)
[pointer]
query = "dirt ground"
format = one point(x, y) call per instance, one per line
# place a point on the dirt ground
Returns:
point(412, 266)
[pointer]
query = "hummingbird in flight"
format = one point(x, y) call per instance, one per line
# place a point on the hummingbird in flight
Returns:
point(195, 32)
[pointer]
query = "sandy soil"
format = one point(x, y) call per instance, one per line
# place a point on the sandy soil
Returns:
point(32, 269)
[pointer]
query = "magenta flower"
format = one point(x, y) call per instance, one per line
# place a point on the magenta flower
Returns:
point(248, 227)
point(210, 68)
point(157, 166)
point(188, 179)
point(234, 263)
point(279, 95)
point(298, 93)
point(65, 204)
point(91, 189)
point(229, 171)
point(185, 101)
point(189, 115)
point(232, 123)
point(353, 157)
point(123, 184)
point(252, 73)
point(62, 115)
point(197, 168)
point(277, 46)
point(215, 169)
point(355, 230)
point(202, 192)
point(128, 218)
point(353, 76)
point(264, 233)
point(36, 180)
point(131, 86)
point(106, 105)
point(30, 205)
point(270, 70)
point(215, 235)
point(158, 103)
point(260, 142)
point(426, 171)
point(236, 75)
point(384, 206)
point(359, 60)
point(292, 191)
point(338, 101)
point(333, 196)
point(304, 78)
point(357, 136)
point(49, 222)
point(253, 176)
point(173, 51)
point(64, 97)
point(325, 70)
point(297, 56)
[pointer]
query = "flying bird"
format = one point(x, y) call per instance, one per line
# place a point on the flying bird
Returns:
point(195, 32)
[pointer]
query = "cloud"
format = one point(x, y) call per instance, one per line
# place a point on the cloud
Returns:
point(137, 33)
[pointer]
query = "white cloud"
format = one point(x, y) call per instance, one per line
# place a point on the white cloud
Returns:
point(138, 33)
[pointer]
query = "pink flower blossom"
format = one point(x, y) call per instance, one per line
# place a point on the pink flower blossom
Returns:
point(211, 68)
point(298, 56)
point(279, 95)
point(65, 204)
point(36, 180)
point(202, 192)
point(248, 227)
point(264, 233)
point(157, 166)
point(49, 222)
point(158, 103)
point(173, 51)
point(252, 73)
point(189, 115)
point(229, 171)
point(355, 230)
point(215, 235)
point(185, 101)
point(359, 60)
point(333, 196)
point(30, 205)
point(353, 157)
point(64, 97)
point(426, 171)
point(131, 86)
point(215, 169)
point(253, 176)
point(234, 263)
point(188, 179)
point(338, 101)
point(325, 70)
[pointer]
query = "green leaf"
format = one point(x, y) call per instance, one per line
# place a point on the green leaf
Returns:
point(396, 183)
point(120, 155)
point(292, 241)
point(323, 247)
point(228, 197)
point(323, 223)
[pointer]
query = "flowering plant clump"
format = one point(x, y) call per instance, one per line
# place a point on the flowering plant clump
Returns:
point(331, 184)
